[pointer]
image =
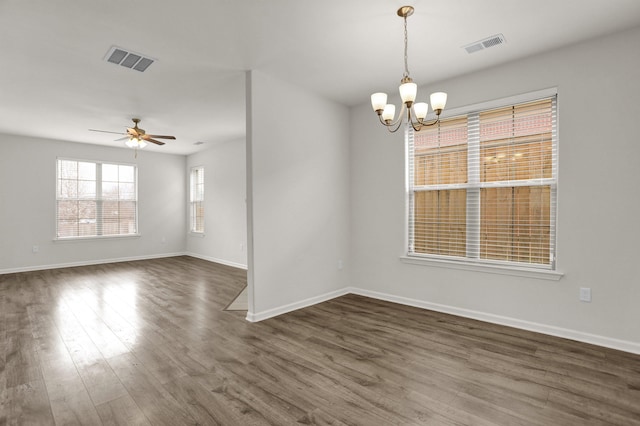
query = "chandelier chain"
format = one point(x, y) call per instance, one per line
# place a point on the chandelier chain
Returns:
point(406, 41)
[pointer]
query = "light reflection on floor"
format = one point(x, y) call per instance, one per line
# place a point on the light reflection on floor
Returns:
point(107, 315)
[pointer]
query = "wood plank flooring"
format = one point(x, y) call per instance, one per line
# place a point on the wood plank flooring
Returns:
point(148, 343)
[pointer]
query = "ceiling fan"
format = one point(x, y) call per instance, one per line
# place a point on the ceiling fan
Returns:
point(137, 135)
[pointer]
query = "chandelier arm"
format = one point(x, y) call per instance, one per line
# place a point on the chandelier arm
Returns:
point(400, 119)
point(389, 127)
point(403, 108)
point(426, 124)
point(383, 122)
point(417, 125)
point(420, 123)
point(397, 120)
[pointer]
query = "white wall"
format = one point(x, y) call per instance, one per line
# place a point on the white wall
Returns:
point(225, 237)
point(27, 205)
point(298, 153)
point(599, 203)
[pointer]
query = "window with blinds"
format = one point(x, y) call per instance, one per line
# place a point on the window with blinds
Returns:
point(95, 199)
point(482, 186)
point(197, 199)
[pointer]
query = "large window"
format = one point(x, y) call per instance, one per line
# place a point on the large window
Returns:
point(95, 199)
point(197, 199)
point(482, 186)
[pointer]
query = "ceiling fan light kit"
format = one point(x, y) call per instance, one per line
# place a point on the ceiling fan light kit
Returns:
point(135, 143)
point(408, 93)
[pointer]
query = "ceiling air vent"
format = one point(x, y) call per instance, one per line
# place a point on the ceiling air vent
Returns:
point(136, 61)
point(488, 42)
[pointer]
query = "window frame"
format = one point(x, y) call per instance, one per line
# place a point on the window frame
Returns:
point(543, 271)
point(98, 199)
point(193, 203)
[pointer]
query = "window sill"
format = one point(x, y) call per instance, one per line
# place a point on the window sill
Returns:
point(541, 274)
point(196, 234)
point(95, 237)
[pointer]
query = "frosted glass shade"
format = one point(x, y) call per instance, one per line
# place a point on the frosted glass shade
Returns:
point(408, 92)
point(135, 143)
point(438, 100)
point(389, 112)
point(421, 109)
point(378, 101)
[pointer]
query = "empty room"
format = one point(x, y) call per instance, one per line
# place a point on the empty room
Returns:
point(332, 213)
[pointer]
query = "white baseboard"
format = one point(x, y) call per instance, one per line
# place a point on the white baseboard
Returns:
point(270, 313)
point(87, 263)
point(608, 342)
point(594, 339)
point(216, 260)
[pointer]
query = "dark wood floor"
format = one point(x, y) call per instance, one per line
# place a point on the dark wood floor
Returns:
point(149, 343)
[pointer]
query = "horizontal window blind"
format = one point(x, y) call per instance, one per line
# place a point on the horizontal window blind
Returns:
point(95, 199)
point(482, 186)
point(439, 182)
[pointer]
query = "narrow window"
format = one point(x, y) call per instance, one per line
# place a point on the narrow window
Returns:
point(197, 199)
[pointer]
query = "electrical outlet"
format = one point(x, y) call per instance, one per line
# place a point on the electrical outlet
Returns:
point(340, 265)
point(585, 294)
point(35, 249)
point(163, 240)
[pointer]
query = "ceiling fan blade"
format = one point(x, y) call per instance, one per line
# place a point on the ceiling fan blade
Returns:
point(106, 131)
point(161, 137)
point(152, 140)
point(121, 139)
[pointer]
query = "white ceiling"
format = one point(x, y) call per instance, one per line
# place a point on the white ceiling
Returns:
point(55, 83)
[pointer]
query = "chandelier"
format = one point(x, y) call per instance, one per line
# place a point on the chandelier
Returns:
point(408, 91)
